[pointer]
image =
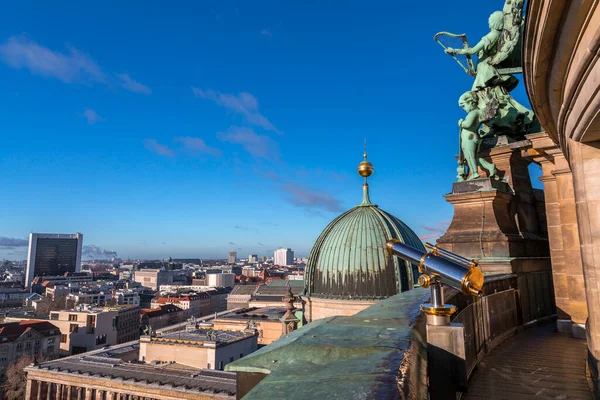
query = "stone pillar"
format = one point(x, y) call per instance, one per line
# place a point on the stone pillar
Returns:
point(559, 275)
point(58, 391)
point(88, 393)
point(571, 245)
point(585, 164)
point(69, 392)
point(39, 390)
point(49, 391)
point(28, 390)
point(563, 235)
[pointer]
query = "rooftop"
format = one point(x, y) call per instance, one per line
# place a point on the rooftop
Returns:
point(263, 313)
point(199, 336)
point(243, 290)
point(162, 310)
point(11, 331)
point(352, 357)
point(105, 363)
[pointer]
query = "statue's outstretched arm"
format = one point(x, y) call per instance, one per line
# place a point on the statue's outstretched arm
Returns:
point(469, 50)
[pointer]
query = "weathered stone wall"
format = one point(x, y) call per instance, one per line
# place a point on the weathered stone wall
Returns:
point(561, 58)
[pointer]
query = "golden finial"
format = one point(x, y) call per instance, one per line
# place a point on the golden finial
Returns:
point(365, 168)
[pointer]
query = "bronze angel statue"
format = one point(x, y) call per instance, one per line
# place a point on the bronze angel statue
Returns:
point(498, 58)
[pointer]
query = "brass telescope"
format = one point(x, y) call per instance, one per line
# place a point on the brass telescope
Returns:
point(438, 266)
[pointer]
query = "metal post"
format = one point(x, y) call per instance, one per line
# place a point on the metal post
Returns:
point(437, 295)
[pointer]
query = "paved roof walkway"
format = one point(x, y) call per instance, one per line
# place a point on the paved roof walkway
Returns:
point(538, 363)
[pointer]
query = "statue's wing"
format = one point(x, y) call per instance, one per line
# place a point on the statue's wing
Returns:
point(456, 41)
point(510, 39)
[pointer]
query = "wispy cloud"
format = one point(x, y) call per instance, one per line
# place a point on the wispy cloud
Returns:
point(266, 173)
point(266, 32)
point(241, 227)
point(72, 66)
point(243, 103)
point(196, 146)
point(439, 227)
point(7, 242)
point(309, 198)
point(436, 230)
point(133, 86)
point(91, 116)
point(259, 146)
point(154, 146)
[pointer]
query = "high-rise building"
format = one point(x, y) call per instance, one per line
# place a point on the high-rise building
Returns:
point(53, 254)
point(232, 257)
point(252, 258)
point(283, 257)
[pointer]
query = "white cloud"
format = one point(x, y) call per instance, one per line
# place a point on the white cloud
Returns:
point(133, 86)
point(197, 145)
point(70, 67)
point(154, 146)
point(308, 198)
point(244, 104)
point(266, 32)
point(259, 146)
point(92, 116)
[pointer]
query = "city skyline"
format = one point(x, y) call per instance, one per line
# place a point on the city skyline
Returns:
point(235, 127)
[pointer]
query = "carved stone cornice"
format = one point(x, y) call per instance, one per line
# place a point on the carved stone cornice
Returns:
point(561, 66)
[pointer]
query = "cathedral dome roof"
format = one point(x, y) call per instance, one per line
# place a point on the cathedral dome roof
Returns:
point(349, 260)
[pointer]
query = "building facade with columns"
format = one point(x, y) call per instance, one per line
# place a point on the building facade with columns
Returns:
point(561, 49)
point(111, 374)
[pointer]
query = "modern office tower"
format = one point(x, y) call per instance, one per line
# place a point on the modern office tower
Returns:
point(232, 257)
point(252, 259)
point(53, 254)
point(283, 257)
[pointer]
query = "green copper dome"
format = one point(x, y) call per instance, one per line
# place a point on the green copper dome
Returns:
point(349, 260)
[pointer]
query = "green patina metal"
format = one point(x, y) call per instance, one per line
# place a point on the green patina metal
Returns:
point(489, 102)
point(349, 260)
point(362, 356)
point(294, 284)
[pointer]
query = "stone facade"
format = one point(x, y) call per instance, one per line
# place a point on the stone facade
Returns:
point(562, 73)
point(567, 268)
point(264, 320)
point(161, 317)
point(31, 338)
point(85, 329)
point(317, 308)
point(500, 222)
point(107, 374)
point(198, 348)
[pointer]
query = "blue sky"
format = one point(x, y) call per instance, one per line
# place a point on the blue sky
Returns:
point(190, 128)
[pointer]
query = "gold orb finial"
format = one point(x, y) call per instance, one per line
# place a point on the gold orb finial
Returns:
point(365, 168)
